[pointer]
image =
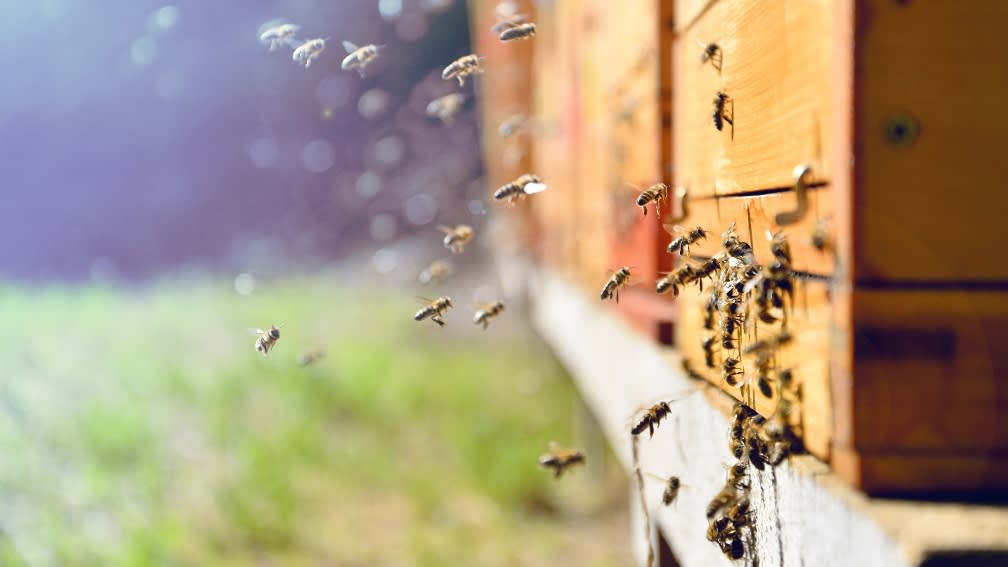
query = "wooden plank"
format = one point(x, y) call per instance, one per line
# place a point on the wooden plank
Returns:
point(776, 69)
point(688, 12)
point(920, 200)
point(930, 371)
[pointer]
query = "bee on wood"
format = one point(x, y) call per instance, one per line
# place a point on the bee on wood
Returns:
point(740, 252)
point(520, 31)
point(559, 460)
point(671, 491)
point(508, 23)
point(434, 309)
point(716, 527)
point(721, 501)
point(720, 115)
point(737, 447)
point(446, 107)
point(712, 53)
point(653, 194)
point(511, 124)
point(672, 280)
point(359, 57)
point(266, 340)
point(737, 476)
point(682, 243)
point(650, 419)
point(738, 512)
point(708, 348)
point(436, 271)
point(768, 344)
point(763, 374)
point(785, 379)
point(456, 238)
point(819, 239)
point(487, 312)
point(731, 371)
point(710, 310)
point(462, 68)
point(280, 34)
point(612, 286)
point(309, 51)
point(309, 358)
point(779, 248)
point(526, 184)
point(734, 548)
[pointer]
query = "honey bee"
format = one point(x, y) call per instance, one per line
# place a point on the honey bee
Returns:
point(309, 51)
point(737, 447)
point(734, 548)
point(710, 310)
point(731, 371)
point(487, 312)
point(737, 476)
point(612, 286)
point(716, 527)
point(653, 194)
point(707, 268)
point(266, 340)
point(520, 31)
point(650, 419)
point(280, 34)
point(768, 344)
point(720, 115)
point(511, 124)
point(671, 491)
point(711, 52)
point(763, 371)
point(510, 22)
point(456, 238)
point(434, 309)
point(559, 460)
point(311, 357)
point(708, 348)
point(446, 107)
point(722, 500)
point(779, 248)
point(436, 271)
point(359, 57)
point(462, 68)
point(527, 184)
point(682, 243)
point(738, 512)
point(672, 280)
point(819, 237)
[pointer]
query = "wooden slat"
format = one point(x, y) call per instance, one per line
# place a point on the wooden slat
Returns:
point(688, 11)
point(930, 371)
point(921, 206)
point(775, 67)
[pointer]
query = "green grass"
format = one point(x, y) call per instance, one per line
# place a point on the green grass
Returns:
point(141, 428)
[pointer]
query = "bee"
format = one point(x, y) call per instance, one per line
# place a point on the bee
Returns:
point(731, 371)
point(763, 370)
point(779, 248)
point(309, 51)
point(819, 238)
point(436, 271)
point(716, 527)
point(434, 310)
point(738, 512)
point(508, 23)
point(722, 500)
point(734, 548)
point(785, 378)
point(720, 116)
point(309, 358)
point(708, 348)
point(737, 447)
point(446, 107)
point(768, 344)
point(672, 280)
point(359, 57)
point(707, 268)
point(266, 339)
point(559, 460)
point(487, 312)
point(527, 184)
point(511, 124)
point(520, 31)
point(710, 310)
point(650, 419)
point(456, 238)
point(712, 53)
point(737, 475)
point(682, 243)
point(655, 193)
point(671, 491)
point(280, 34)
point(612, 286)
point(462, 68)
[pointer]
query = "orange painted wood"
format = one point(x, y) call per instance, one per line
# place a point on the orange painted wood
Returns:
point(776, 69)
point(930, 209)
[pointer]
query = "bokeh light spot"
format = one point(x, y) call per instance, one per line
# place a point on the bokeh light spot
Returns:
point(244, 283)
point(384, 260)
point(143, 51)
point(389, 150)
point(318, 156)
point(372, 103)
point(368, 184)
point(263, 152)
point(420, 209)
point(333, 92)
point(383, 227)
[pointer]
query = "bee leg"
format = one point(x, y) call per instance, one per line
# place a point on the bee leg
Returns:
point(644, 208)
point(461, 81)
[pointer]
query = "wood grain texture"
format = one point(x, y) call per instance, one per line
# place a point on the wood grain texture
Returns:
point(688, 12)
point(776, 69)
point(930, 209)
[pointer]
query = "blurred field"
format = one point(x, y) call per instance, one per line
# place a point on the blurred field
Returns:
point(140, 427)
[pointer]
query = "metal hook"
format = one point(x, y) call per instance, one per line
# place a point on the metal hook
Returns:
point(680, 195)
point(802, 175)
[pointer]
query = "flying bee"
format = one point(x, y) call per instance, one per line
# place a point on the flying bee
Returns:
point(511, 124)
point(720, 115)
point(819, 238)
point(446, 107)
point(768, 344)
point(462, 68)
point(280, 34)
point(650, 419)
point(708, 348)
point(672, 280)
point(487, 312)
point(436, 271)
point(359, 57)
point(559, 460)
point(520, 31)
point(434, 310)
point(309, 51)
point(682, 243)
point(707, 268)
point(456, 238)
point(612, 286)
point(526, 184)
point(672, 486)
point(266, 340)
point(509, 23)
point(311, 357)
point(779, 248)
point(731, 371)
point(653, 194)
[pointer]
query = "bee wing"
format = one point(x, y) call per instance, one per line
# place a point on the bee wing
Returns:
point(423, 300)
point(663, 479)
point(446, 229)
point(255, 331)
point(349, 46)
point(533, 188)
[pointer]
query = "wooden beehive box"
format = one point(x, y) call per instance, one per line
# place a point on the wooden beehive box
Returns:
point(901, 320)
